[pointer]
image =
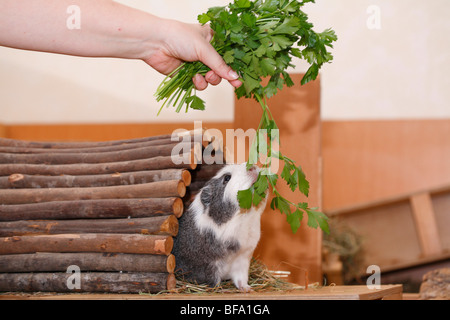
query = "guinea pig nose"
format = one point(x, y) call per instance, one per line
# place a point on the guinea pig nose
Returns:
point(253, 173)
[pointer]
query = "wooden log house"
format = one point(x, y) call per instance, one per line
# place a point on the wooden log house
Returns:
point(109, 208)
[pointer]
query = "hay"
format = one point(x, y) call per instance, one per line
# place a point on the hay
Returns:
point(260, 280)
point(348, 245)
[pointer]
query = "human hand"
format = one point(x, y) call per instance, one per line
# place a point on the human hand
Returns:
point(190, 42)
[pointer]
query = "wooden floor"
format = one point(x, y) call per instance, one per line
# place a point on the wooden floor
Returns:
point(386, 292)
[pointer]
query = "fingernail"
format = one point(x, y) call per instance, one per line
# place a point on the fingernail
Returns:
point(233, 74)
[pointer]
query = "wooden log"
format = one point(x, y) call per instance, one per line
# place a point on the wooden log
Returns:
point(155, 163)
point(163, 225)
point(18, 180)
point(111, 282)
point(92, 209)
point(94, 157)
point(91, 144)
point(88, 242)
point(160, 189)
point(84, 144)
point(125, 146)
point(87, 261)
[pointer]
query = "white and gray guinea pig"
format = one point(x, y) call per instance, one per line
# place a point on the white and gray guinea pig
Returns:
point(216, 238)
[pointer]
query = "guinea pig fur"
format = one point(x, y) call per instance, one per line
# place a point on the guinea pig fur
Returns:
point(216, 238)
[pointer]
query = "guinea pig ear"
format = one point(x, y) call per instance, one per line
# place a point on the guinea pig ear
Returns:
point(206, 195)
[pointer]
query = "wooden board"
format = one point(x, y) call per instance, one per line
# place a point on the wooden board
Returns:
point(296, 111)
point(97, 132)
point(403, 231)
point(365, 161)
point(2, 131)
point(425, 221)
point(441, 205)
point(386, 292)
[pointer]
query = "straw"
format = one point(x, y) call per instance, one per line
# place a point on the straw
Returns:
point(260, 280)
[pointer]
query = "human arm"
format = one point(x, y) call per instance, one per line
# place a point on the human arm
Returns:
point(110, 29)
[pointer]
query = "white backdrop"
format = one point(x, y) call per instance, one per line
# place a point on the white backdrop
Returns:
point(392, 61)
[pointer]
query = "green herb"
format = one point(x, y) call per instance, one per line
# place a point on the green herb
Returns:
point(258, 39)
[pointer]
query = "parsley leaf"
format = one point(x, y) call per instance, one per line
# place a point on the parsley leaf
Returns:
point(294, 220)
point(317, 218)
point(195, 102)
point(243, 3)
point(245, 198)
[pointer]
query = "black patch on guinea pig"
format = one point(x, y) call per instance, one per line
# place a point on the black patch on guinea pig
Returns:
point(196, 252)
point(219, 210)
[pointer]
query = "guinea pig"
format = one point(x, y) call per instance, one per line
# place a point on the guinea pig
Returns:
point(216, 238)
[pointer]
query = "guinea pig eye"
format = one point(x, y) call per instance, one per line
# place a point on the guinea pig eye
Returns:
point(226, 178)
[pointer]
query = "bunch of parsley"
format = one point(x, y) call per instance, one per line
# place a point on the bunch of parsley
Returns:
point(258, 39)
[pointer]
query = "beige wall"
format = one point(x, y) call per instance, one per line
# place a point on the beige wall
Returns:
point(398, 71)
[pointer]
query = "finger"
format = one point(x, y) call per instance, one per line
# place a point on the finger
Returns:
point(212, 78)
point(199, 82)
point(209, 56)
point(235, 83)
